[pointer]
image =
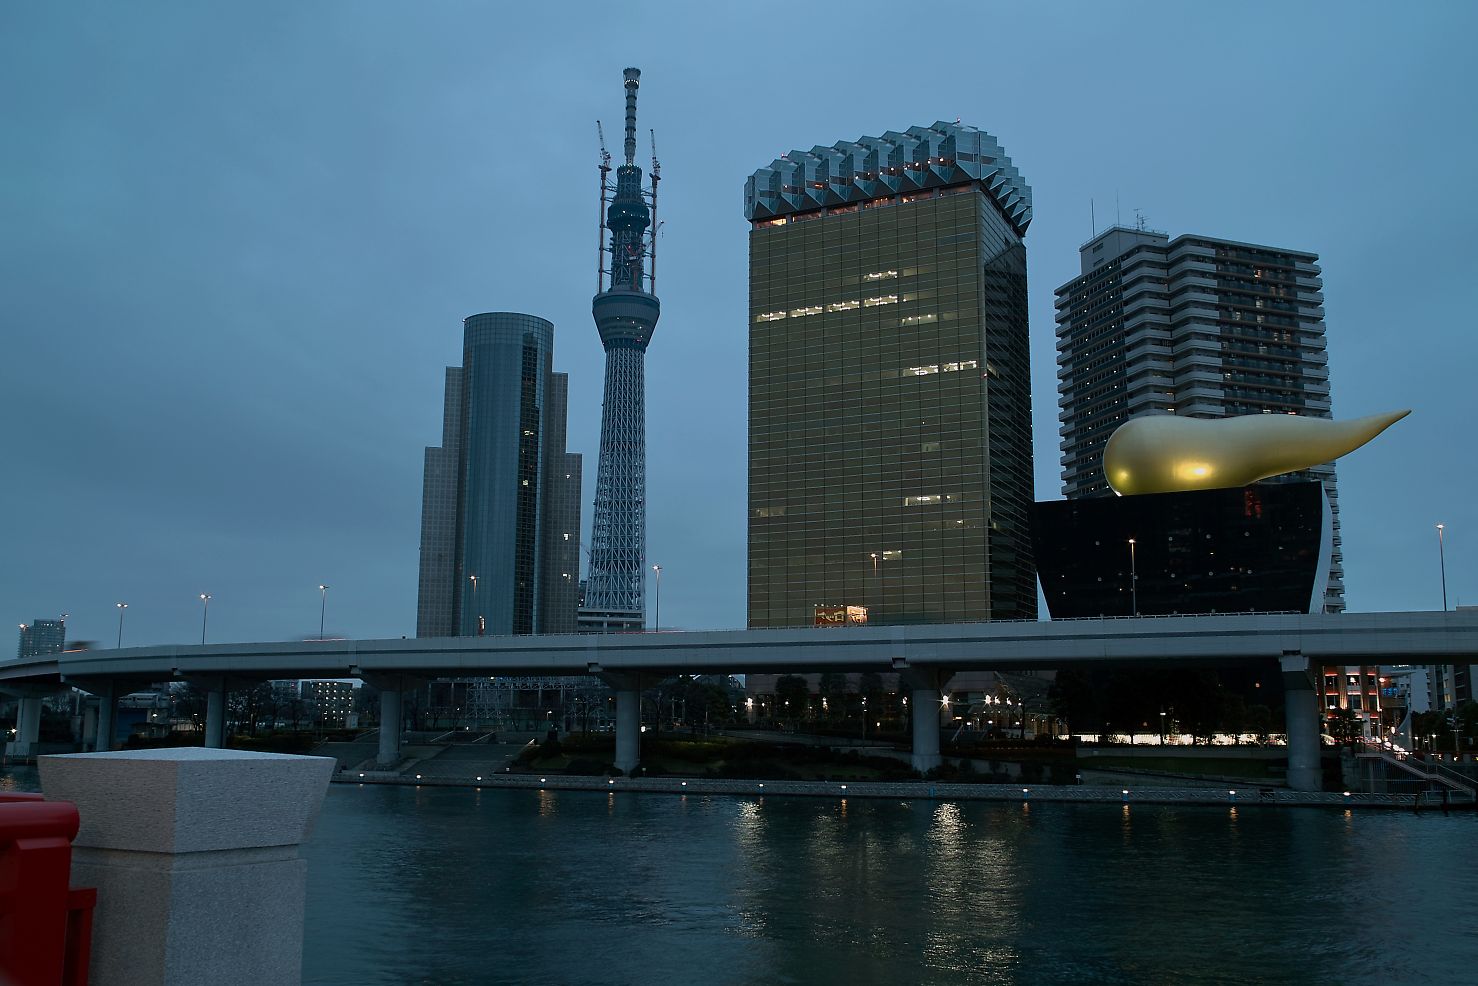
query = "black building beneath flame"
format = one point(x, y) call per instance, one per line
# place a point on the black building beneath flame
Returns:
point(1263, 548)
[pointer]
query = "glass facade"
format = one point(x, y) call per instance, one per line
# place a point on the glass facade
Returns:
point(1256, 549)
point(501, 516)
point(505, 366)
point(890, 461)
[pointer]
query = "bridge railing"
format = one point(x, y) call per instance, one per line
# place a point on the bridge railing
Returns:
point(45, 923)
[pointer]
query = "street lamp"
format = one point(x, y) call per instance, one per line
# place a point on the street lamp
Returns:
point(204, 614)
point(322, 607)
point(1133, 580)
point(1442, 563)
point(121, 608)
point(657, 615)
point(473, 580)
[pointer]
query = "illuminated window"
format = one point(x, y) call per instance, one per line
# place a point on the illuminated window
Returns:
point(928, 498)
point(916, 319)
point(769, 511)
point(880, 275)
point(892, 556)
point(809, 310)
point(924, 371)
point(769, 317)
point(842, 306)
point(887, 299)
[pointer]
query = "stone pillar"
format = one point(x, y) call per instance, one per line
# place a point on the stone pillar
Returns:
point(215, 717)
point(1301, 724)
point(925, 687)
point(390, 711)
point(195, 854)
point(627, 687)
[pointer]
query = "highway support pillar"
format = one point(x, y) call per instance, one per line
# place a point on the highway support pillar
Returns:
point(27, 725)
point(215, 714)
point(392, 689)
point(627, 687)
point(107, 693)
point(99, 736)
point(926, 695)
point(1301, 723)
point(390, 720)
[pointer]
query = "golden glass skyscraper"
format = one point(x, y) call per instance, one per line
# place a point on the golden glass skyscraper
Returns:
point(890, 456)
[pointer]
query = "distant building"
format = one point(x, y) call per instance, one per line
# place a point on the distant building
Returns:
point(500, 517)
point(890, 434)
point(42, 637)
point(331, 702)
point(1194, 326)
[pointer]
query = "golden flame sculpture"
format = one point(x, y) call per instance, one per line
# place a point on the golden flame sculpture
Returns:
point(1162, 453)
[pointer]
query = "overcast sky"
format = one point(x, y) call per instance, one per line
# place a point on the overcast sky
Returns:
point(237, 241)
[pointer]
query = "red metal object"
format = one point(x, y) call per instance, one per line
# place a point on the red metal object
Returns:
point(45, 925)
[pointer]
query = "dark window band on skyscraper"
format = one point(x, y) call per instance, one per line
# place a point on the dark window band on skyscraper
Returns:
point(890, 455)
point(501, 510)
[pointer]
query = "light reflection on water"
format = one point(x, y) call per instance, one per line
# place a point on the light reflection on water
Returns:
point(546, 887)
point(454, 886)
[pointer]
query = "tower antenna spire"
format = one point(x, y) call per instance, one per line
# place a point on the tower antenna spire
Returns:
point(633, 80)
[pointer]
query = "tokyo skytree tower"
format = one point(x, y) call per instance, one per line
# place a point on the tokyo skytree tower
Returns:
point(626, 311)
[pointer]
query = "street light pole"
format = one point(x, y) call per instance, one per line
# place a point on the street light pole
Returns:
point(204, 614)
point(322, 607)
point(1442, 563)
point(473, 580)
point(1133, 580)
point(121, 608)
point(657, 615)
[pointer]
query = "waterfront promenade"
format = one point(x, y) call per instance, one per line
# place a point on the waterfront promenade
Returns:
point(1147, 792)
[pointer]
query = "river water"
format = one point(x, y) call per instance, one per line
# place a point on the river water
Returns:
point(456, 886)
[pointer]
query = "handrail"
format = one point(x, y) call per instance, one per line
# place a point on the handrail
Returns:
point(1428, 769)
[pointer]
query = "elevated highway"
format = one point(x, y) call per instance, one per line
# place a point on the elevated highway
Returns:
point(925, 655)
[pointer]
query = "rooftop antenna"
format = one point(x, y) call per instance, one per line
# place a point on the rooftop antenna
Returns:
point(600, 229)
point(1139, 220)
point(1092, 216)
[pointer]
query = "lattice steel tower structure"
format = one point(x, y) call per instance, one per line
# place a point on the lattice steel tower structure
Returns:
point(626, 311)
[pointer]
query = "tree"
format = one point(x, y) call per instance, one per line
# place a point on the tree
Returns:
point(792, 695)
point(1344, 725)
point(1260, 722)
point(833, 689)
point(1075, 700)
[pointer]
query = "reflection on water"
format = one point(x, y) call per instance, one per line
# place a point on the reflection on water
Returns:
point(448, 886)
point(454, 886)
